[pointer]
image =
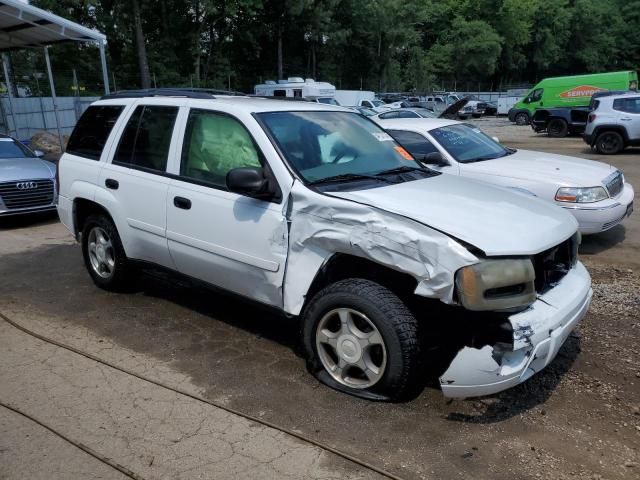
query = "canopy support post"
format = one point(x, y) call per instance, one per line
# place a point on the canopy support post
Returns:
point(103, 61)
point(53, 97)
point(7, 81)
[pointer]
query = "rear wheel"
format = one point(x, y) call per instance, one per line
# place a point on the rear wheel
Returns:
point(522, 119)
point(104, 256)
point(557, 128)
point(360, 338)
point(609, 143)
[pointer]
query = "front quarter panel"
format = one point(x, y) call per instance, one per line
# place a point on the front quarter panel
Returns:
point(322, 225)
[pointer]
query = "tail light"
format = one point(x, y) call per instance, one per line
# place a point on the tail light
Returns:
point(592, 118)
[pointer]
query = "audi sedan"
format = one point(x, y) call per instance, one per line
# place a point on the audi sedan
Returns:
point(27, 182)
point(595, 193)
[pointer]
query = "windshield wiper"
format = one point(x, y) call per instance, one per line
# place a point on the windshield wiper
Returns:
point(347, 177)
point(402, 169)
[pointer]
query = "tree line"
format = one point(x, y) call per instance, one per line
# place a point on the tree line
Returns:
point(382, 45)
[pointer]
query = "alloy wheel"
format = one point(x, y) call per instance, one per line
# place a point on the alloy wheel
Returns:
point(351, 348)
point(101, 252)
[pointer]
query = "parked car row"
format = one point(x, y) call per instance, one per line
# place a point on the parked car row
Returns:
point(604, 108)
point(361, 229)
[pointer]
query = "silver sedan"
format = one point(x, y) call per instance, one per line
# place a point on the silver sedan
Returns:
point(27, 182)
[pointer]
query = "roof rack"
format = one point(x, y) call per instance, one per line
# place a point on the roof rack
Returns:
point(202, 93)
point(288, 99)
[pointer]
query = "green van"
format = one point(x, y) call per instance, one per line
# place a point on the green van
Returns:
point(574, 91)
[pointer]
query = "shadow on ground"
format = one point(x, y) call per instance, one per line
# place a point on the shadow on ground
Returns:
point(594, 244)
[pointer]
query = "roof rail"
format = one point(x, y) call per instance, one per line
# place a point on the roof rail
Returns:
point(202, 93)
point(288, 99)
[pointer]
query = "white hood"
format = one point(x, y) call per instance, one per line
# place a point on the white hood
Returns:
point(494, 219)
point(543, 167)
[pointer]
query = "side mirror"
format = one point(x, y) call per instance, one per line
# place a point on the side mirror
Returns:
point(38, 153)
point(249, 181)
point(434, 158)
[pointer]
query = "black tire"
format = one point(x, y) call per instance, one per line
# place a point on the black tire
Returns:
point(609, 142)
point(522, 118)
point(557, 128)
point(123, 274)
point(393, 320)
point(476, 115)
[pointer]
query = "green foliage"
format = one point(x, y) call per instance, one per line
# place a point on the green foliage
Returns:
point(369, 44)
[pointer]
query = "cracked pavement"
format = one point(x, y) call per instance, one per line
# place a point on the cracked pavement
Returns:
point(153, 431)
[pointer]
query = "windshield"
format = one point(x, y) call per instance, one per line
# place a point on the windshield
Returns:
point(378, 103)
point(468, 144)
point(425, 113)
point(319, 145)
point(9, 148)
point(328, 101)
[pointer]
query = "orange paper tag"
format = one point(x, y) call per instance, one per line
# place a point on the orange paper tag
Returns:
point(403, 152)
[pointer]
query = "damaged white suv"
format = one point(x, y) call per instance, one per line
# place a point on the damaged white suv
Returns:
point(316, 211)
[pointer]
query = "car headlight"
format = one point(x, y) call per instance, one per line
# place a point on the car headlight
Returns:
point(581, 195)
point(499, 284)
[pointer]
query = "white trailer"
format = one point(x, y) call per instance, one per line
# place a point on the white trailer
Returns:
point(296, 87)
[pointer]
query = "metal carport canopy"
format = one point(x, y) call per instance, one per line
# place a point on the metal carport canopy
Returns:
point(25, 26)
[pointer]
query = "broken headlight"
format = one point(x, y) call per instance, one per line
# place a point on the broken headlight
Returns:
point(500, 284)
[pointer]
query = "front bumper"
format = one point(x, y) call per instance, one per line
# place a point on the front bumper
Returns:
point(27, 211)
point(538, 334)
point(594, 218)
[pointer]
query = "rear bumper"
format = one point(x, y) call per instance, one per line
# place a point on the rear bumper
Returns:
point(539, 333)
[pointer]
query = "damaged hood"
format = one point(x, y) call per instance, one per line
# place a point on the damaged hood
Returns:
point(496, 220)
point(545, 168)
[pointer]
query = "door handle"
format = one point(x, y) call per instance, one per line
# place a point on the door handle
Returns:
point(111, 183)
point(626, 119)
point(181, 202)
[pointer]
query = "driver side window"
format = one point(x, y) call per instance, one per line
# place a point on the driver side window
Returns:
point(214, 144)
point(535, 96)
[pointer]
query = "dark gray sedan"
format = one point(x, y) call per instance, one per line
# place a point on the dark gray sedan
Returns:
point(27, 183)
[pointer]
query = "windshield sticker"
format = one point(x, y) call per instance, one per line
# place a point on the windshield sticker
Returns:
point(406, 155)
point(382, 137)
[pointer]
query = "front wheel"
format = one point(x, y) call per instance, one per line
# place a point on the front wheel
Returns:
point(609, 143)
point(360, 338)
point(522, 119)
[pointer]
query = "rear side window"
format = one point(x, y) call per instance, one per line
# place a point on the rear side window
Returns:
point(416, 144)
point(92, 130)
point(146, 138)
point(629, 105)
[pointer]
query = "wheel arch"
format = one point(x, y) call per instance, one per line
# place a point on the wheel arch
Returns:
point(83, 208)
point(609, 127)
point(341, 266)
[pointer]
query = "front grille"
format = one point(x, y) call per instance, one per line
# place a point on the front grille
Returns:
point(614, 183)
point(26, 194)
point(552, 265)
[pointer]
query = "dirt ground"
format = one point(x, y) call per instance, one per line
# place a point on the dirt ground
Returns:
point(579, 418)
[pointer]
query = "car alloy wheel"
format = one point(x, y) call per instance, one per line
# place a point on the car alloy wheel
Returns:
point(101, 252)
point(522, 119)
point(609, 143)
point(351, 348)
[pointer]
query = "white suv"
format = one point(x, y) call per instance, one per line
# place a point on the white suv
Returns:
point(614, 123)
point(315, 211)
